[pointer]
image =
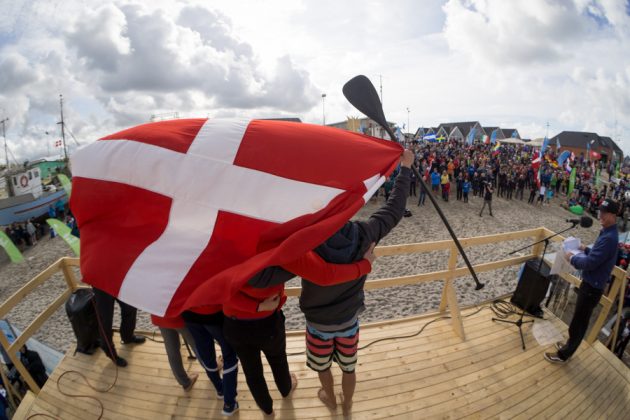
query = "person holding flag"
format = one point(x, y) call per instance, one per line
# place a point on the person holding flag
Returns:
point(332, 312)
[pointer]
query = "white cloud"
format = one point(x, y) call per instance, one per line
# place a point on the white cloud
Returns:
point(518, 63)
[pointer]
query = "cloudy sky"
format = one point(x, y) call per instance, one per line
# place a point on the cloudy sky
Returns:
point(516, 63)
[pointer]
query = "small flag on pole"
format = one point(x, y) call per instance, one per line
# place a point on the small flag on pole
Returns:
point(471, 136)
point(544, 145)
point(493, 136)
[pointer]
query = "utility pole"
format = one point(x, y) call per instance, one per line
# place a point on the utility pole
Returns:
point(408, 127)
point(63, 133)
point(6, 148)
point(547, 135)
point(323, 109)
point(380, 78)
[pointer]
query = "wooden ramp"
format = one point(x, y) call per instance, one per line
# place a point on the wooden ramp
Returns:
point(434, 374)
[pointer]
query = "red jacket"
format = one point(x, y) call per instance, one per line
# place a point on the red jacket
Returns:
point(173, 323)
point(244, 305)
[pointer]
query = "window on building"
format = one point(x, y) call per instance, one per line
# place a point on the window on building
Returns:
point(30, 175)
point(36, 174)
point(15, 181)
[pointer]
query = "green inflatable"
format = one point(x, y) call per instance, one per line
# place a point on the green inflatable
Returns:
point(577, 209)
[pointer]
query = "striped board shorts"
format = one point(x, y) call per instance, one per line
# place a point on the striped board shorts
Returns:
point(322, 347)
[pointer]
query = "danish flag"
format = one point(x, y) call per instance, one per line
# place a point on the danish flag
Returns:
point(536, 161)
point(178, 214)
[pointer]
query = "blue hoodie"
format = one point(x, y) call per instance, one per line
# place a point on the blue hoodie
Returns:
point(597, 262)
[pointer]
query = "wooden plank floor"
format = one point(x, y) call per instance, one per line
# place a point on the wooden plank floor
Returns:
point(432, 375)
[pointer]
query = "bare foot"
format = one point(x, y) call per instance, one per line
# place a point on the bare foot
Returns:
point(345, 405)
point(323, 397)
point(294, 384)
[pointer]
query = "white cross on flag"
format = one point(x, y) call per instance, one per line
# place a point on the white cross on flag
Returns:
point(179, 214)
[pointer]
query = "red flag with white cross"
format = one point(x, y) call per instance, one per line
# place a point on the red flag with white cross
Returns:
point(178, 214)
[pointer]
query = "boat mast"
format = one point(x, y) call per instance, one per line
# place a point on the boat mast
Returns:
point(6, 149)
point(63, 133)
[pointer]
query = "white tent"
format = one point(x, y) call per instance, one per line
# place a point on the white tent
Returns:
point(511, 140)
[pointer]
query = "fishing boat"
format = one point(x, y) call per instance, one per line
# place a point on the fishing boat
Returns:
point(455, 363)
point(27, 196)
point(23, 194)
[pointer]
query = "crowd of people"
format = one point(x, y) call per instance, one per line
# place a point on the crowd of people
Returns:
point(26, 234)
point(514, 172)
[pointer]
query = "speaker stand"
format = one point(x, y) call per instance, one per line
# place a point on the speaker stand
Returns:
point(519, 323)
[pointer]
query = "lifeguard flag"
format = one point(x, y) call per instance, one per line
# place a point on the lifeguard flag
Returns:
point(178, 214)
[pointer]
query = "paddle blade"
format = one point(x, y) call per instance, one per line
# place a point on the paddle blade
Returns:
point(360, 92)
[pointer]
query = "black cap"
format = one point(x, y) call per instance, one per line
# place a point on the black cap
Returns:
point(609, 205)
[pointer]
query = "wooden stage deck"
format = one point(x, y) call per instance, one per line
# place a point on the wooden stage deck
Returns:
point(434, 374)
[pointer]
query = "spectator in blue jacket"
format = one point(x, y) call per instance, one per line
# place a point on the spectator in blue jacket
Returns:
point(466, 189)
point(435, 181)
point(596, 264)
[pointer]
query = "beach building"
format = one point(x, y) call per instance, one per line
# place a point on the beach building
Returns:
point(461, 131)
point(363, 125)
point(510, 133)
point(490, 130)
point(48, 167)
point(583, 143)
point(424, 131)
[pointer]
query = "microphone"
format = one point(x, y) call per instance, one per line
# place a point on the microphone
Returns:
point(584, 221)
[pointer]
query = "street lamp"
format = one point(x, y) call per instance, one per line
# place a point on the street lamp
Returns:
point(324, 108)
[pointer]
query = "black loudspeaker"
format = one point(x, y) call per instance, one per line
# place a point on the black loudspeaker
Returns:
point(82, 315)
point(532, 287)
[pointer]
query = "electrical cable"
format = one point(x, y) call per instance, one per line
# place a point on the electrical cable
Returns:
point(503, 309)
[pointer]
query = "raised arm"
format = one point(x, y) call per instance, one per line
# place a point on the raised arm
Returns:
point(387, 217)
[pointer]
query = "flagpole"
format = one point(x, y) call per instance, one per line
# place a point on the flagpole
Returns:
point(6, 148)
point(63, 134)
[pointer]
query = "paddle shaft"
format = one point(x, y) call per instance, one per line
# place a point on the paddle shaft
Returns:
point(360, 92)
point(448, 226)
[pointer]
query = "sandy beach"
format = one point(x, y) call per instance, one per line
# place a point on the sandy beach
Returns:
point(424, 225)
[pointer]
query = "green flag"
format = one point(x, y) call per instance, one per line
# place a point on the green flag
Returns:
point(572, 181)
point(65, 183)
point(9, 246)
point(617, 170)
point(64, 231)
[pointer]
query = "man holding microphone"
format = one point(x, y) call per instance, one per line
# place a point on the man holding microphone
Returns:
point(596, 264)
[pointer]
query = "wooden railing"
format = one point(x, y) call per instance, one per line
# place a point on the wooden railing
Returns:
point(65, 266)
point(448, 299)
